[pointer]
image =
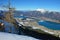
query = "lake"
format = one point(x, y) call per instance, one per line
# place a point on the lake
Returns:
point(50, 25)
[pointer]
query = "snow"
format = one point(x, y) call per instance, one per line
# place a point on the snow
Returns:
point(35, 27)
point(49, 32)
point(8, 36)
point(41, 10)
point(21, 23)
point(41, 21)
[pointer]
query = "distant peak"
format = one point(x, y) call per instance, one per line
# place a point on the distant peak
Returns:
point(41, 10)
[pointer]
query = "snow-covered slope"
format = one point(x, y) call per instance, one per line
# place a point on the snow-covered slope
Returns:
point(8, 36)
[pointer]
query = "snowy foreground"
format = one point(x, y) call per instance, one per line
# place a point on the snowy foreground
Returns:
point(8, 36)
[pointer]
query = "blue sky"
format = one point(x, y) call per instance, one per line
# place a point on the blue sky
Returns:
point(52, 5)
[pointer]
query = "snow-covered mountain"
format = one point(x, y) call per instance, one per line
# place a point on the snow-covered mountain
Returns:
point(41, 10)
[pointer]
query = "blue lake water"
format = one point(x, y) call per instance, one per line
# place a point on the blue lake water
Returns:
point(50, 25)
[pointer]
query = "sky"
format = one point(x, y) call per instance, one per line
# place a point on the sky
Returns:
point(52, 5)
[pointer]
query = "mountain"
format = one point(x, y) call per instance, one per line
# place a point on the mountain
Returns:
point(41, 10)
point(39, 13)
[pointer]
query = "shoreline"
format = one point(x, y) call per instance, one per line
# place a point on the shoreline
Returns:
point(36, 27)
